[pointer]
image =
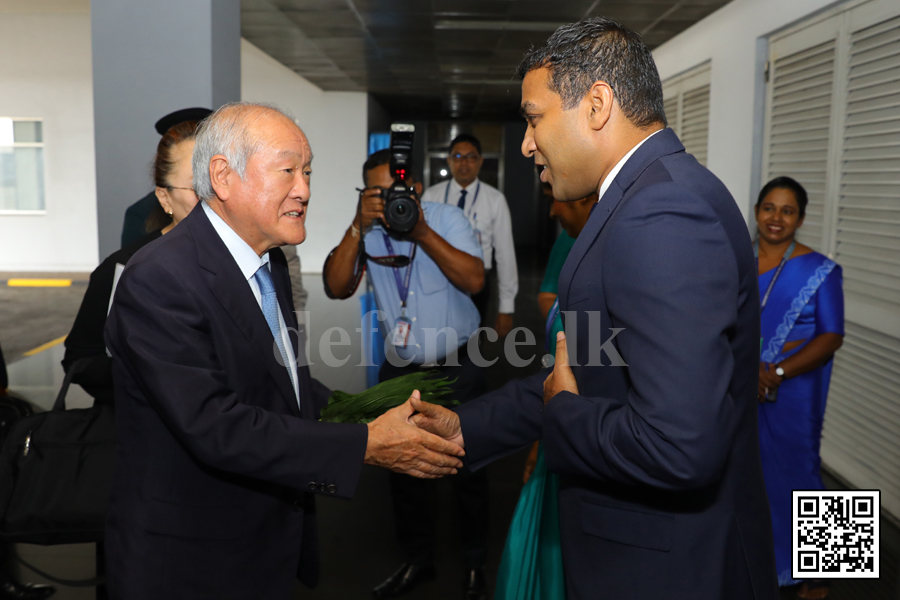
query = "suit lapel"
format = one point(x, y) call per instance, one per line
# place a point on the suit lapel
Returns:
point(661, 144)
point(234, 294)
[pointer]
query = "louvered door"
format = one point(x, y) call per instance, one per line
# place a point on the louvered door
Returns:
point(687, 109)
point(695, 122)
point(868, 222)
point(802, 86)
point(671, 107)
point(862, 425)
point(833, 123)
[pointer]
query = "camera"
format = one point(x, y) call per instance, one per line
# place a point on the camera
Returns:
point(401, 211)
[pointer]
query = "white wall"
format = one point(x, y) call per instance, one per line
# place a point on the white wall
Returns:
point(45, 72)
point(729, 38)
point(335, 123)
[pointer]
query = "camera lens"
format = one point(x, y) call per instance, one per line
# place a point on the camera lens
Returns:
point(401, 213)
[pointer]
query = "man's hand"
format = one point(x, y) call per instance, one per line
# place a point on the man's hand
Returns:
point(372, 208)
point(768, 380)
point(421, 230)
point(562, 379)
point(530, 462)
point(395, 443)
point(504, 324)
point(438, 420)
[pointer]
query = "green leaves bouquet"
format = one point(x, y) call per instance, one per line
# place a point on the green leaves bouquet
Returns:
point(378, 399)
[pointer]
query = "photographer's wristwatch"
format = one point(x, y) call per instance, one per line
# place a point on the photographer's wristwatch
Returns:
point(779, 370)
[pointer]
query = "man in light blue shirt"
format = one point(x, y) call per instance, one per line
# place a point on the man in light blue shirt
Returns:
point(434, 304)
point(428, 318)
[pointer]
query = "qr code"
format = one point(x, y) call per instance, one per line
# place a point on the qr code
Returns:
point(835, 534)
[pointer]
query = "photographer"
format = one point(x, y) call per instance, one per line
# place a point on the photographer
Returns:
point(428, 293)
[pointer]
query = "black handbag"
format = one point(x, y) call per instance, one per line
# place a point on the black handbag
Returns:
point(11, 410)
point(56, 472)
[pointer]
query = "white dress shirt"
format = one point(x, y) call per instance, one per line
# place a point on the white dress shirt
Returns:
point(249, 263)
point(604, 185)
point(488, 212)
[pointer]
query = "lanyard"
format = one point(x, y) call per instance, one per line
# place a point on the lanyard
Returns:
point(402, 284)
point(469, 208)
point(784, 259)
point(551, 318)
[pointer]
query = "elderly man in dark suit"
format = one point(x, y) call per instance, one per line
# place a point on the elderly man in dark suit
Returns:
point(220, 454)
point(653, 427)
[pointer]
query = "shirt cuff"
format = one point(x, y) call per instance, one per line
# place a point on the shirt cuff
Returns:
point(507, 305)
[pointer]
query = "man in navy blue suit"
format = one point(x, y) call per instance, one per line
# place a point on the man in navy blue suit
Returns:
point(219, 451)
point(652, 428)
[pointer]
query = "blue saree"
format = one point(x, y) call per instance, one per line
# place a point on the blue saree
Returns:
point(806, 301)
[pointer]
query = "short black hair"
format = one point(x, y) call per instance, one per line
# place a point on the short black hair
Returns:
point(599, 49)
point(786, 183)
point(465, 137)
point(382, 157)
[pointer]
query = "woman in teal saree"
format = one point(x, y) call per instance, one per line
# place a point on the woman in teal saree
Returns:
point(802, 325)
point(531, 567)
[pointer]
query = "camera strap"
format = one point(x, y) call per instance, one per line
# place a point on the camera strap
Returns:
point(402, 284)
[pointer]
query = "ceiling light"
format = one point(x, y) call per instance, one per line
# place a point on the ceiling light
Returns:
point(496, 25)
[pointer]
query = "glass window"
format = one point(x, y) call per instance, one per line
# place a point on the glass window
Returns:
point(21, 164)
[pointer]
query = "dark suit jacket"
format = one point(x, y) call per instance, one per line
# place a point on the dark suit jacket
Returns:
point(661, 488)
point(136, 215)
point(216, 464)
point(85, 340)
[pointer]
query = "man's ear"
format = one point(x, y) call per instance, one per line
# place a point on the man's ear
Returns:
point(220, 176)
point(600, 100)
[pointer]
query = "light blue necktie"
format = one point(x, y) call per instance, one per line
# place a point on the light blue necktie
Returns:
point(270, 310)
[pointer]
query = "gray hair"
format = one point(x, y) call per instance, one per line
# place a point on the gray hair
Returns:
point(226, 132)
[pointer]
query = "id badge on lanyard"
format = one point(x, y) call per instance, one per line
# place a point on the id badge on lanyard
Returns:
point(400, 333)
point(765, 299)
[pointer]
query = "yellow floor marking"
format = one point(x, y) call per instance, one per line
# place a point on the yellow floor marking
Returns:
point(43, 347)
point(39, 282)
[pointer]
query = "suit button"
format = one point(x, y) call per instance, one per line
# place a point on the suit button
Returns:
point(332, 489)
point(297, 506)
point(322, 487)
point(312, 486)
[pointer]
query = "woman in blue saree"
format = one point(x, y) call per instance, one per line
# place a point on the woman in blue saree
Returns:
point(802, 325)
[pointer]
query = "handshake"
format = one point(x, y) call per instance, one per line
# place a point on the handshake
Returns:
point(425, 440)
point(417, 438)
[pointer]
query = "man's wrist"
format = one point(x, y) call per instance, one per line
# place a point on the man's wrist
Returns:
point(424, 234)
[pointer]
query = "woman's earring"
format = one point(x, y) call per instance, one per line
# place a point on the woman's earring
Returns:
point(169, 212)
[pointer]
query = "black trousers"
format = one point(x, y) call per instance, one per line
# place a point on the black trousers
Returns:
point(414, 499)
